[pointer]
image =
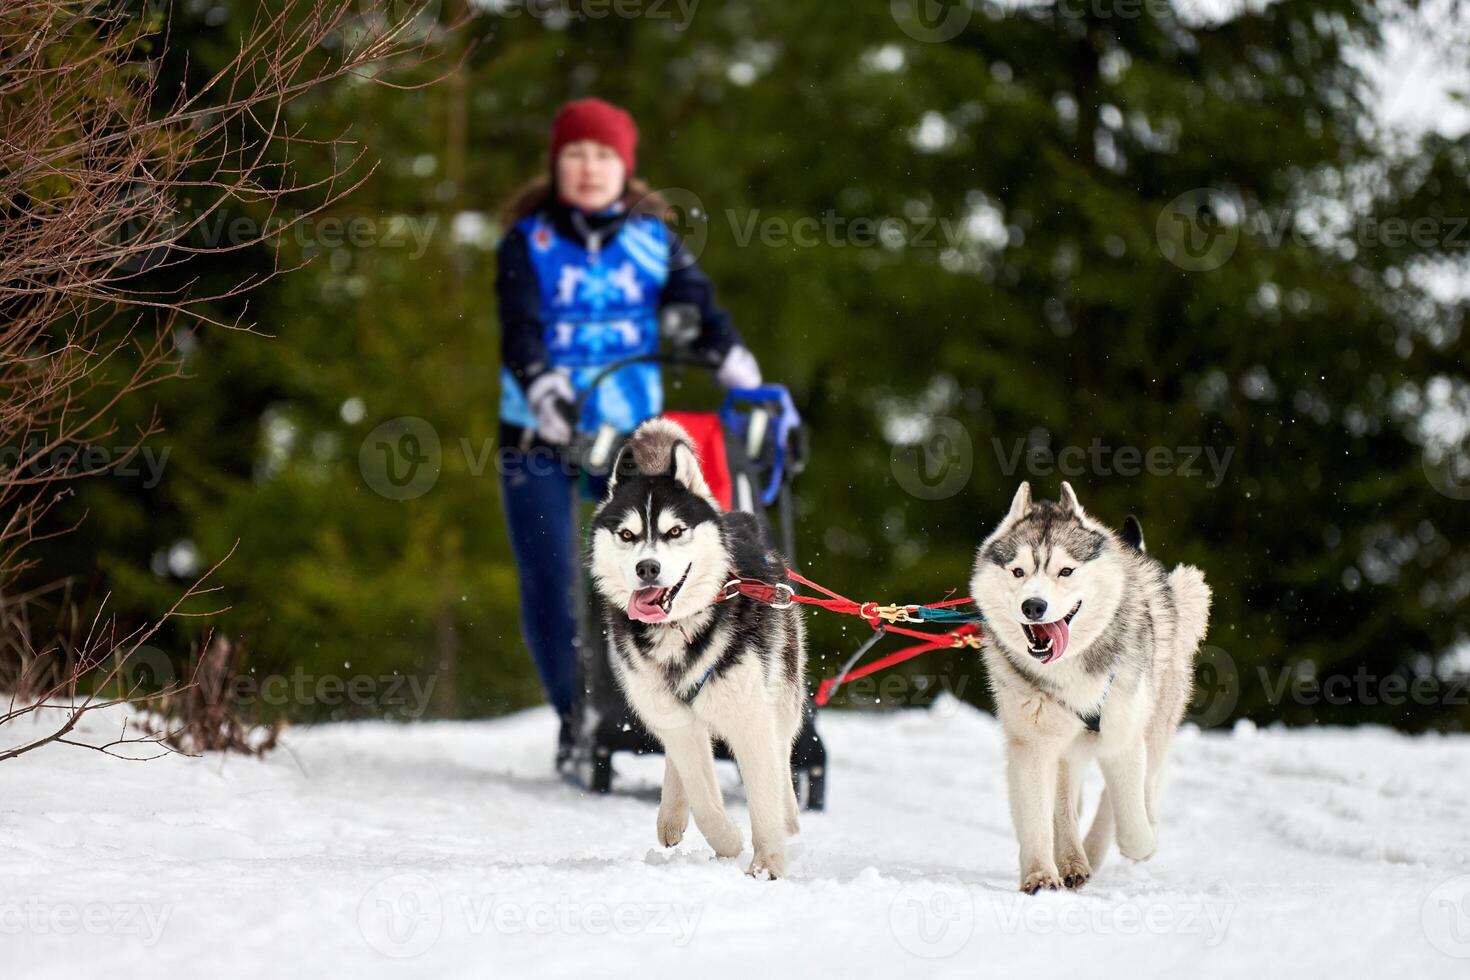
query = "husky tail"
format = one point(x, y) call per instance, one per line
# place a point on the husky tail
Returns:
point(1192, 599)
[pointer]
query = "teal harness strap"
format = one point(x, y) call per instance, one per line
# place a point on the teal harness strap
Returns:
point(936, 614)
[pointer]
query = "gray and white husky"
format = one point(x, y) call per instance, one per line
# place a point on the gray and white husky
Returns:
point(693, 666)
point(1090, 652)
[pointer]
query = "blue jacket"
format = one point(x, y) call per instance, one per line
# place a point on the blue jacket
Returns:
point(579, 291)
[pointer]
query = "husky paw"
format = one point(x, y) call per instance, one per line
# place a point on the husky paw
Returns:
point(1138, 845)
point(1074, 870)
point(671, 826)
point(1040, 877)
point(767, 866)
point(726, 840)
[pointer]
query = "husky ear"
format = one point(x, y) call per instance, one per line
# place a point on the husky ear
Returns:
point(1133, 533)
point(1070, 505)
point(687, 472)
point(1020, 503)
point(624, 465)
point(1069, 500)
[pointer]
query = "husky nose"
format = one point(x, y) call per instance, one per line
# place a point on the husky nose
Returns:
point(1033, 609)
point(647, 569)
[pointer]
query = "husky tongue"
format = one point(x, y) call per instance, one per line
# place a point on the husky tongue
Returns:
point(1059, 633)
point(643, 606)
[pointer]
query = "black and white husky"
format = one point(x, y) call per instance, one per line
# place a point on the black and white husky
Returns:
point(693, 666)
point(1090, 652)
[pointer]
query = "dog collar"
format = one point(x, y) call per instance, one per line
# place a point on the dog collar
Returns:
point(777, 596)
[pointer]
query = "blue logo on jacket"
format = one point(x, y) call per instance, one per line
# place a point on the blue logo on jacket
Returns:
point(597, 309)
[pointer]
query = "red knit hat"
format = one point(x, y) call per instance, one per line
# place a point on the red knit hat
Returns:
point(594, 119)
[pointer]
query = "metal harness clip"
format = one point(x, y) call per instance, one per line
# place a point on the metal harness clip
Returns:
point(900, 614)
point(780, 595)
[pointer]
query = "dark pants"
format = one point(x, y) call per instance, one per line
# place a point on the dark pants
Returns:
point(538, 492)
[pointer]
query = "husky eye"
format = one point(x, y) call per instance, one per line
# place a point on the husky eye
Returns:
point(1064, 572)
point(1018, 573)
point(626, 535)
point(674, 531)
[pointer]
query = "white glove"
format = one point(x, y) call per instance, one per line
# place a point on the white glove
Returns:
point(739, 369)
point(547, 395)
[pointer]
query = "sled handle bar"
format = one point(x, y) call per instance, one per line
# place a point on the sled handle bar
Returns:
point(789, 443)
point(672, 360)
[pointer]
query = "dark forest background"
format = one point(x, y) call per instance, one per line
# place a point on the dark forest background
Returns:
point(966, 245)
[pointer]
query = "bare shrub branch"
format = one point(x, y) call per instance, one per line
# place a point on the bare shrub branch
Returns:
point(104, 182)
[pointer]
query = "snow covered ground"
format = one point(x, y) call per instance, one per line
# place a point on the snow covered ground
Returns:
point(450, 850)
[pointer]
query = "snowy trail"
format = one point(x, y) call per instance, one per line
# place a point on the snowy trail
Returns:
point(448, 849)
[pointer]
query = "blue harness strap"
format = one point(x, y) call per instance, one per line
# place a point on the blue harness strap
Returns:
point(699, 686)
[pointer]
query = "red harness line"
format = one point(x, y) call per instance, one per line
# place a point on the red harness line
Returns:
point(781, 595)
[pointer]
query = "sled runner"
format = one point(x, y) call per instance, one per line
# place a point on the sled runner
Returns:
point(751, 449)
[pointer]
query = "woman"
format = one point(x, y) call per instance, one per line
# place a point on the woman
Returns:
point(584, 270)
